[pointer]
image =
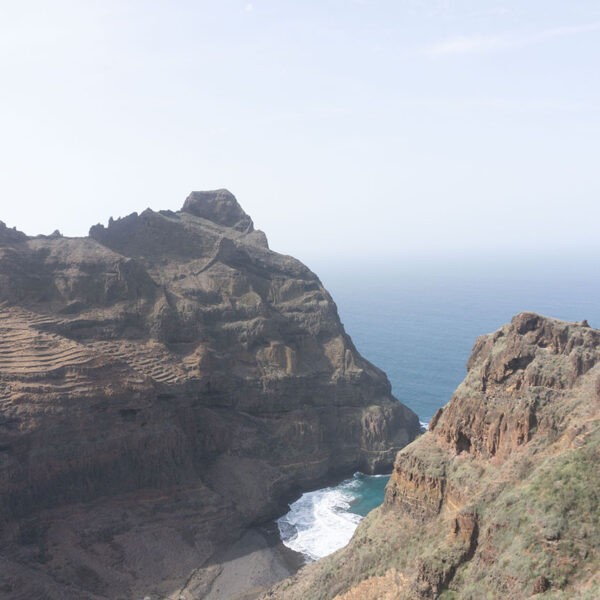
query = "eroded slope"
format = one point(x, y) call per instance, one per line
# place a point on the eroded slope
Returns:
point(501, 498)
point(164, 383)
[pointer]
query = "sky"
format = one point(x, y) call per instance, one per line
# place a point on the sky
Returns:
point(381, 129)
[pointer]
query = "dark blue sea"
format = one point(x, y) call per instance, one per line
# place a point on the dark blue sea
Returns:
point(418, 322)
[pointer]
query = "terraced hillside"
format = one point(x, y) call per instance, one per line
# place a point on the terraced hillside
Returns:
point(165, 383)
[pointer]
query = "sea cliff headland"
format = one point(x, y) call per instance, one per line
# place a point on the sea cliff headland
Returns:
point(166, 383)
point(500, 499)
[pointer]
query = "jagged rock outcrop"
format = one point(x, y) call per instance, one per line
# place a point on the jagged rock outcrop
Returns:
point(164, 383)
point(501, 498)
point(219, 207)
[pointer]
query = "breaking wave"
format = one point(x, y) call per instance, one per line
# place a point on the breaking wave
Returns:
point(323, 521)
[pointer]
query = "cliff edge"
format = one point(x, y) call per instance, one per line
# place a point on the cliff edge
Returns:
point(166, 382)
point(501, 498)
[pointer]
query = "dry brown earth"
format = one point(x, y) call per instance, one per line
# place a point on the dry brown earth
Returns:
point(500, 500)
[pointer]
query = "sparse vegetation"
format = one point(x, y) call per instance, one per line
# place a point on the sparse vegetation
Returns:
point(525, 521)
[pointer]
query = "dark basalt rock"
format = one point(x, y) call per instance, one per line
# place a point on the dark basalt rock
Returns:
point(540, 586)
point(219, 206)
point(10, 235)
point(165, 383)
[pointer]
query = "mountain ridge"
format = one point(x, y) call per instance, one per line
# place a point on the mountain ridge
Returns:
point(165, 383)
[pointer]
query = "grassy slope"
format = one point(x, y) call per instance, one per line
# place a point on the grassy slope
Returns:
point(536, 512)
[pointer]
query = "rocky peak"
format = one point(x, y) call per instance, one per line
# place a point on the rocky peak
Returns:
point(219, 206)
point(10, 235)
point(212, 381)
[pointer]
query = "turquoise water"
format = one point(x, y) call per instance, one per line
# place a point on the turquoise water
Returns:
point(369, 494)
point(418, 323)
point(322, 521)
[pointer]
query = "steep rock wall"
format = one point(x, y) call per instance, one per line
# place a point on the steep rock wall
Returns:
point(164, 383)
point(500, 498)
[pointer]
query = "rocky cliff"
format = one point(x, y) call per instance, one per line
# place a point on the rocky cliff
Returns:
point(501, 498)
point(164, 383)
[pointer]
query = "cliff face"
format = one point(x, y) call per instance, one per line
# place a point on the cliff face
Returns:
point(501, 498)
point(164, 383)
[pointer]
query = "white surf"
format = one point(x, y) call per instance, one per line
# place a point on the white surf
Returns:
point(319, 522)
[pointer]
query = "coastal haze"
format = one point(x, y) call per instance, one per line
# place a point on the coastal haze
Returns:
point(419, 321)
point(348, 128)
point(434, 166)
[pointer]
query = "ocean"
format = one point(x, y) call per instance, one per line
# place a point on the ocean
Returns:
point(418, 323)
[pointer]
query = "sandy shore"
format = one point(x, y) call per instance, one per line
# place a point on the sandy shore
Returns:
point(246, 569)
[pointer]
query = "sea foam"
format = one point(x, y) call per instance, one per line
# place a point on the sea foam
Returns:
point(322, 521)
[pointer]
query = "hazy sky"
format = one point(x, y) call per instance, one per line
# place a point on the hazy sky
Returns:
point(344, 127)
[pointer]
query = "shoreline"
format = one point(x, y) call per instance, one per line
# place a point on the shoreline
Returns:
point(253, 564)
point(256, 561)
point(293, 560)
